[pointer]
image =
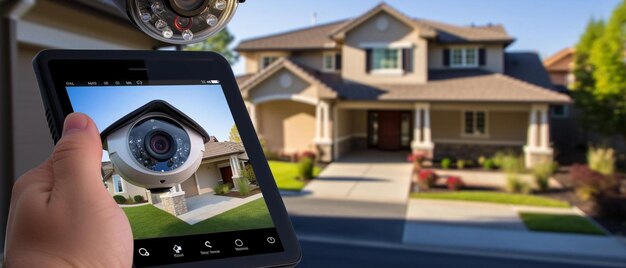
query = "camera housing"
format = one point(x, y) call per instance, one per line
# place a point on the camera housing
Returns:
point(179, 21)
point(155, 146)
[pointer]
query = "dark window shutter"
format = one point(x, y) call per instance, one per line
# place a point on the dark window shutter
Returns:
point(407, 60)
point(482, 57)
point(368, 60)
point(446, 57)
point(337, 61)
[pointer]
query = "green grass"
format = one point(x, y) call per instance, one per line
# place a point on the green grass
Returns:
point(559, 223)
point(286, 175)
point(494, 197)
point(149, 221)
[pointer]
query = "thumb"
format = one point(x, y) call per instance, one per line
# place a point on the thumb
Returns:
point(76, 160)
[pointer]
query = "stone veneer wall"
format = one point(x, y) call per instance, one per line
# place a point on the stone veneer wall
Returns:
point(174, 203)
point(471, 151)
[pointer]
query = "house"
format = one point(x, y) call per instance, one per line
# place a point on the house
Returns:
point(222, 162)
point(387, 81)
point(559, 67)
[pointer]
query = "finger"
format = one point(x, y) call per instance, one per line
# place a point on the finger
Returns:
point(76, 161)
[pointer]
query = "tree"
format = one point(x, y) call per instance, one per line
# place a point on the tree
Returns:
point(607, 58)
point(584, 83)
point(218, 43)
point(233, 135)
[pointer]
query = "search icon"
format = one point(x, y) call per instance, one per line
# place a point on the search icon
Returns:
point(208, 244)
point(144, 252)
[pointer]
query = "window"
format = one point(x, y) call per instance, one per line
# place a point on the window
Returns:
point(267, 61)
point(559, 111)
point(118, 184)
point(474, 123)
point(386, 59)
point(329, 64)
point(464, 57)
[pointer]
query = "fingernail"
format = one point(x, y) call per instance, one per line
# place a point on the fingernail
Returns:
point(74, 122)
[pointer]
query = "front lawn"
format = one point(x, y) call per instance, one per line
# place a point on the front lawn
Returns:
point(286, 175)
point(493, 197)
point(149, 221)
point(559, 223)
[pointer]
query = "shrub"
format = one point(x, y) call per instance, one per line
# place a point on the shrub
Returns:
point(120, 199)
point(455, 183)
point(542, 173)
point(446, 163)
point(243, 185)
point(308, 154)
point(460, 164)
point(515, 185)
point(248, 173)
point(488, 164)
point(305, 169)
point(511, 163)
point(591, 184)
point(481, 160)
point(427, 178)
point(222, 188)
point(601, 160)
point(138, 198)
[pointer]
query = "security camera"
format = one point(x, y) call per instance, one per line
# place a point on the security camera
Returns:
point(155, 146)
point(179, 21)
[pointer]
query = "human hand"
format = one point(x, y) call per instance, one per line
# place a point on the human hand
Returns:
point(61, 214)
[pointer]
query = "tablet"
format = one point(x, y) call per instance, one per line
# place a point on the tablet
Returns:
point(181, 156)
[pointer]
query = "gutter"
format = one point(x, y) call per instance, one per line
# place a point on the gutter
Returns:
point(10, 12)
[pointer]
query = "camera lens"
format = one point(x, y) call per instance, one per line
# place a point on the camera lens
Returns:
point(160, 145)
point(189, 8)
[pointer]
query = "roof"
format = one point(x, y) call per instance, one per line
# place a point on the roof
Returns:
point(560, 61)
point(325, 36)
point(527, 66)
point(466, 85)
point(214, 148)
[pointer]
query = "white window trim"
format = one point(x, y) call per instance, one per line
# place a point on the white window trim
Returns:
point(262, 61)
point(387, 45)
point(475, 134)
point(565, 112)
point(464, 57)
point(333, 58)
point(122, 182)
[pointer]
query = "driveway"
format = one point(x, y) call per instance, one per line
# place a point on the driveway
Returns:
point(202, 207)
point(372, 176)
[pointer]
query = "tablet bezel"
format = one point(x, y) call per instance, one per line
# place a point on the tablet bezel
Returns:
point(55, 67)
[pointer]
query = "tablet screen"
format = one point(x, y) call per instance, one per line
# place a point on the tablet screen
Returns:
point(174, 162)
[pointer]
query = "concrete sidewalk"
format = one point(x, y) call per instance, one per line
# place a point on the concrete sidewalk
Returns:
point(364, 176)
point(497, 228)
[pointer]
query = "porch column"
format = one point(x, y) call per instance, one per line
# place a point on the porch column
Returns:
point(323, 138)
point(537, 149)
point(234, 166)
point(422, 135)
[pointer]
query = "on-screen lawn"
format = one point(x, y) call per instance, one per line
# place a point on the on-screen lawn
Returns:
point(559, 223)
point(148, 221)
point(286, 175)
point(493, 197)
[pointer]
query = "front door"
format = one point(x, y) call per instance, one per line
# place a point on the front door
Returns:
point(227, 175)
point(389, 130)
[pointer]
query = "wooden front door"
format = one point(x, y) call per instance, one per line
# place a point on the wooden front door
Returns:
point(389, 130)
point(227, 175)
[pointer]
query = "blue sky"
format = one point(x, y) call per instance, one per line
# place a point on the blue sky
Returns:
point(545, 26)
point(205, 104)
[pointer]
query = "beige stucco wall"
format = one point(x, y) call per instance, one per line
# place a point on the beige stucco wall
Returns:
point(508, 127)
point(272, 87)
point(355, 56)
point(130, 190)
point(208, 177)
point(287, 126)
point(253, 59)
point(494, 56)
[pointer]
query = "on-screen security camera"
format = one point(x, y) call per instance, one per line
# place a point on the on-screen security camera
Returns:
point(179, 21)
point(155, 146)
